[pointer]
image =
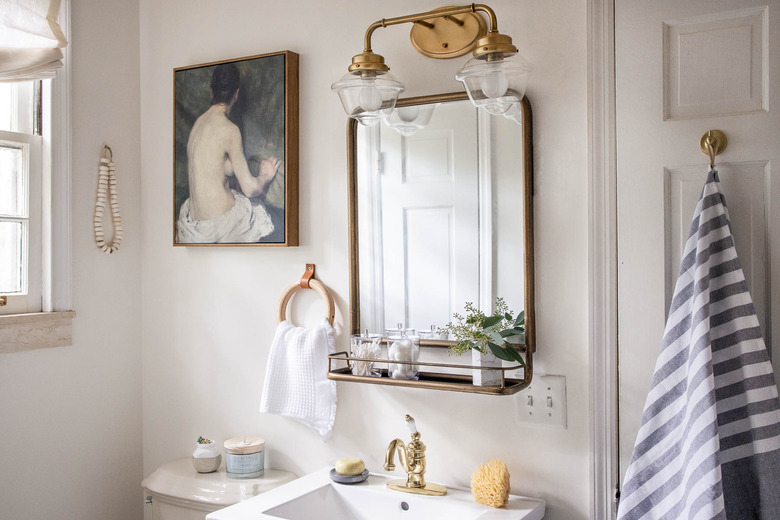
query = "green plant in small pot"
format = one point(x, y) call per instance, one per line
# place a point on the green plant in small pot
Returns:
point(491, 339)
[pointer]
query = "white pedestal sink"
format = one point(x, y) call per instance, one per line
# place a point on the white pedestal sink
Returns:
point(316, 496)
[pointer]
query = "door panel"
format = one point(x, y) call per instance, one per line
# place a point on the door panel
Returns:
point(683, 68)
point(430, 219)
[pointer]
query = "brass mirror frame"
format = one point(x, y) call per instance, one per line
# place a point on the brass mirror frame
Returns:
point(528, 221)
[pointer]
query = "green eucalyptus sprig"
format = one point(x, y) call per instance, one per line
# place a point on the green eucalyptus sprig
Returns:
point(487, 333)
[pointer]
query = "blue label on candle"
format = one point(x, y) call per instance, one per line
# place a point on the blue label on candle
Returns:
point(246, 463)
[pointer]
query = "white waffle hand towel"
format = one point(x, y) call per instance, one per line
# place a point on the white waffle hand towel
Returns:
point(296, 383)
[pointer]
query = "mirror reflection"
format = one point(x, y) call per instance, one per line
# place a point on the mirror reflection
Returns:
point(440, 215)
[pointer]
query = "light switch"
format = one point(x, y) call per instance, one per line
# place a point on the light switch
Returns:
point(550, 390)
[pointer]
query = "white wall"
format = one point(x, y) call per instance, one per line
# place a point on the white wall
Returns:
point(209, 313)
point(70, 417)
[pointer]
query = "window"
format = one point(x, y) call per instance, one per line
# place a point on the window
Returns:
point(35, 245)
point(21, 194)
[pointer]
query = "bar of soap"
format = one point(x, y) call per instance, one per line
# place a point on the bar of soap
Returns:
point(350, 466)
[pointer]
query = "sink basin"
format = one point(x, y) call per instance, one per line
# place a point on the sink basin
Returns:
point(315, 496)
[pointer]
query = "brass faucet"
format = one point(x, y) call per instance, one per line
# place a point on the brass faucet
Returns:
point(412, 459)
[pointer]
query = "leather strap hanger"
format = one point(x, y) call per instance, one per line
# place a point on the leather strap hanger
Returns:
point(307, 281)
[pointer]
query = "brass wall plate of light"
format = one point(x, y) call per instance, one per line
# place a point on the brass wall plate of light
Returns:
point(445, 37)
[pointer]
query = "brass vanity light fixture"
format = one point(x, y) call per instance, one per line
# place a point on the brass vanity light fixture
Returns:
point(495, 77)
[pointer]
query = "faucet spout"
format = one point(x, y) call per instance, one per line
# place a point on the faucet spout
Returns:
point(396, 444)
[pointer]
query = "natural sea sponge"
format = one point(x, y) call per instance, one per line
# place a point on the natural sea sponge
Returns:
point(490, 483)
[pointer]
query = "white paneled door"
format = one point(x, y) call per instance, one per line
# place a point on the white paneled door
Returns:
point(683, 68)
point(430, 216)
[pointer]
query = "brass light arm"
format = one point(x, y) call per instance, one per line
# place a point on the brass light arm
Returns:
point(491, 15)
point(438, 13)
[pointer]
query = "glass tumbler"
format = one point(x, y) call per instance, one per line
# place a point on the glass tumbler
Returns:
point(369, 347)
point(403, 346)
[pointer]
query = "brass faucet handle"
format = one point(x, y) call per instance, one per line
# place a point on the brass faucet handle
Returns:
point(411, 424)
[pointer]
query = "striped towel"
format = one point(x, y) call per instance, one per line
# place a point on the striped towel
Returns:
point(709, 445)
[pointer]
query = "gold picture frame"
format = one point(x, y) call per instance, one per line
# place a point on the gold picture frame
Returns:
point(235, 152)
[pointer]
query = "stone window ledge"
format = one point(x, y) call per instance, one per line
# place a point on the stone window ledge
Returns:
point(22, 332)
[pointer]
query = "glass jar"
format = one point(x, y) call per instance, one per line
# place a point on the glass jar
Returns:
point(403, 345)
point(432, 334)
point(366, 346)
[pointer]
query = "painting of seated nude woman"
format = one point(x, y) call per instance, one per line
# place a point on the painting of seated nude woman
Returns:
point(235, 152)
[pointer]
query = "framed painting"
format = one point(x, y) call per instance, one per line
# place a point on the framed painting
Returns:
point(235, 171)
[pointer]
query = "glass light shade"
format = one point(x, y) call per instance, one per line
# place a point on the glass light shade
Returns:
point(408, 120)
point(515, 113)
point(368, 99)
point(497, 84)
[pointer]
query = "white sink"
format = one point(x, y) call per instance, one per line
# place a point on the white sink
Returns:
point(315, 496)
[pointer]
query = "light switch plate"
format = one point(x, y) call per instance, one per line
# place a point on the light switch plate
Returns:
point(544, 402)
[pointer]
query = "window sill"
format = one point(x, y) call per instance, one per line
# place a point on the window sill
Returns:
point(22, 332)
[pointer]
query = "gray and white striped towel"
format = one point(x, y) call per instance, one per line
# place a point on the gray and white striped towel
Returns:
point(709, 445)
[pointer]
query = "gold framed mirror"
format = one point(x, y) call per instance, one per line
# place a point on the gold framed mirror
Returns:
point(410, 244)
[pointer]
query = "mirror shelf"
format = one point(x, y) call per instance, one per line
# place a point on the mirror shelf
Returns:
point(454, 379)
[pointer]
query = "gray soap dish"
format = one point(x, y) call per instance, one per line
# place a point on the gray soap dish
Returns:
point(348, 479)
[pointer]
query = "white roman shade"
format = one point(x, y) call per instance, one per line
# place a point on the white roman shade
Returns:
point(31, 39)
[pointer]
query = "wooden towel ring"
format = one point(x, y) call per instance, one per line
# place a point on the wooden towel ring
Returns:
point(307, 281)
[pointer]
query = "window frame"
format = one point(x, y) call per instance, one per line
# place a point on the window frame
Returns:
point(30, 297)
point(53, 323)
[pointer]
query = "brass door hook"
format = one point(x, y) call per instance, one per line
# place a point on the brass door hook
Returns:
point(712, 143)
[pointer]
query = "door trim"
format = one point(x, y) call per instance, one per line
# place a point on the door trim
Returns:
point(602, 272)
